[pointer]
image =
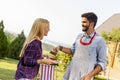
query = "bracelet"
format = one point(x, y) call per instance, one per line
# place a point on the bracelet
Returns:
point(60, 48)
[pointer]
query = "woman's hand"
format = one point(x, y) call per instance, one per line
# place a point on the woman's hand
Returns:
point(47, 61)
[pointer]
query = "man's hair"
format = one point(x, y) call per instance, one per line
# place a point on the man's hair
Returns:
point(91, 17)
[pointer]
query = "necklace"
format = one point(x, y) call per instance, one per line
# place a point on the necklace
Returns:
point(84, 43)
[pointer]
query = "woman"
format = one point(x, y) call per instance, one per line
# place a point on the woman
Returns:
point(31, 53)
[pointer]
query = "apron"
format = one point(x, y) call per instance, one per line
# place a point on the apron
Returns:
point(81, 63)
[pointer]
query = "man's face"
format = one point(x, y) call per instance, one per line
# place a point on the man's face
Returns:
point(85, 24)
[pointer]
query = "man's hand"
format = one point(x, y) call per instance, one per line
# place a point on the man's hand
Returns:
point(86, 77)
point(55, 50)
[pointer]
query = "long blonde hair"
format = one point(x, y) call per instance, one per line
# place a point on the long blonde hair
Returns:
point(36, 32)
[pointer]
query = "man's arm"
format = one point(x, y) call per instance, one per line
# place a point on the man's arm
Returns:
point(65, 50)
point(97, 69)
point(61, 48)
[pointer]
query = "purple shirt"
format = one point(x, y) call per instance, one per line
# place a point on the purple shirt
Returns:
point(27, 66)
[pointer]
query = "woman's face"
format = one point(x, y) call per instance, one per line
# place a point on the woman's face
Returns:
point(46, 30)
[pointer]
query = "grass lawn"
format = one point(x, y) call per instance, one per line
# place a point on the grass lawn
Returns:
point(8, 68)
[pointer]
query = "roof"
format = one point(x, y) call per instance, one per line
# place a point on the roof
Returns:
point(109, 24)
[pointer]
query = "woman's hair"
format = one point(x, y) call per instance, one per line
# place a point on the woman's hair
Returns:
point(36, 32)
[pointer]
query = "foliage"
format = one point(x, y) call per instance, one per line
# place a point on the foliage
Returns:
point(4, 49)
point(113, 36)
point(99, 78)
point(105, 35)
point(16, 46)
point(64, 60)
point(10, 36)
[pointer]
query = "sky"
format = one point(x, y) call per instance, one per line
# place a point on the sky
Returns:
point(64, 15)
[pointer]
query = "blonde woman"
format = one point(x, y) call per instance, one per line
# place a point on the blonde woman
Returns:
point(31, 53)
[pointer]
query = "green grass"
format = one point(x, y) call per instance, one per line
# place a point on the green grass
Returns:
point(99, 78)
point(8, 68)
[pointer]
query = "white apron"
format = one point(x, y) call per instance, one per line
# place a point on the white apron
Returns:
point(81, 63)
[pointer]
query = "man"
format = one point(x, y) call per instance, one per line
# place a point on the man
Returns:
point(89, 52)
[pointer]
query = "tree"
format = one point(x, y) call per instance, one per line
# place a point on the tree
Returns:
point(64, 60)
point(113, 36)
point(10, 36)
point(105, 35)
point(16, 46)
point(4, 49)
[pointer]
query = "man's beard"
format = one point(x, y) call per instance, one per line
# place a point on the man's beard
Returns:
point(85, 28)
